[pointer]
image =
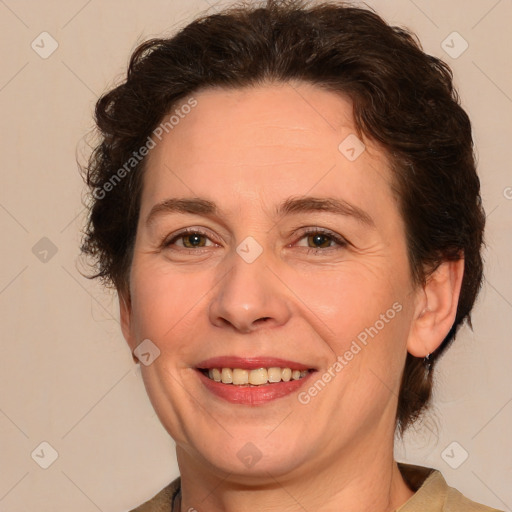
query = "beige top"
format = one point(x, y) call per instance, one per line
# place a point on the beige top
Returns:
point(432, 494)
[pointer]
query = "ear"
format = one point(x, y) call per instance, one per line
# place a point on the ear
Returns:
point(125, 314)
point(435, 308)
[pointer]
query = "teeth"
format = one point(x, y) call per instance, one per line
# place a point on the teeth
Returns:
point(240, 376)
point(295, 375)
point(215, 374)
point(257, 377)
point(227, 375)
point(274, 374)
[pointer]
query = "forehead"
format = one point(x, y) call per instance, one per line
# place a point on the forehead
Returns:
point(264, 121)
point(267, 141)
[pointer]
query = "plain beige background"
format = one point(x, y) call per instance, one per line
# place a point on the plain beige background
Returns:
point(67, 375)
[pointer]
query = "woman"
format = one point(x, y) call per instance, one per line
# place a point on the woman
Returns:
point(285, 199)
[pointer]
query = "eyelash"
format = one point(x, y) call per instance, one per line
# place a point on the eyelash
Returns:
point(342, 242)
point(339, 240)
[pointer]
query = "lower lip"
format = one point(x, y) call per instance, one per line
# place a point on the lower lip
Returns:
point(252, 395)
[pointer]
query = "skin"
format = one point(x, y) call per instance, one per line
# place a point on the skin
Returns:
point(248, 150)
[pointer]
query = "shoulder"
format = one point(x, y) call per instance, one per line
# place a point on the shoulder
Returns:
point(162, 501)
point(457, 502)
point(433, 494)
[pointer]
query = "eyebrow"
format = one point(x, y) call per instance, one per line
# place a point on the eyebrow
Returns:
point(292, 205)
point(325, 204)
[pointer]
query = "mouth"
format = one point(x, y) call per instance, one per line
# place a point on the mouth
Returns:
point(252, 381)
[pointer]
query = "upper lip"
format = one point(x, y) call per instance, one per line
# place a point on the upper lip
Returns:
point(251, 363)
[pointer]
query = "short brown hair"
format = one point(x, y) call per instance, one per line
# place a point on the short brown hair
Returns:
point(403, 99)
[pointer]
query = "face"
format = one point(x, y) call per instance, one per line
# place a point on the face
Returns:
point(294, 256)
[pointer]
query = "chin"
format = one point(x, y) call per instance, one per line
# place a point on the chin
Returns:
point(249, 463)
point(246, 456)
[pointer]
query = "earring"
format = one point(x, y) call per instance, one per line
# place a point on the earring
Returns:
point(427, 363)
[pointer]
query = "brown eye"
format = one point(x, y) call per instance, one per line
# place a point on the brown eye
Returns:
point(319, 241)
point(193, 240)
point(189, 239)
point(316, 239)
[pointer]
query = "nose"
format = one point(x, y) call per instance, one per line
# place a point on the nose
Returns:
point(249, 297)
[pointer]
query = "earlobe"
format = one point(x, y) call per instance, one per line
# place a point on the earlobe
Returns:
point(436, 308)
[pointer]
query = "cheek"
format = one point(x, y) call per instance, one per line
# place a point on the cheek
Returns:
point(168, 304)
point(361, 316)
point(160, 299)
point(347, 300)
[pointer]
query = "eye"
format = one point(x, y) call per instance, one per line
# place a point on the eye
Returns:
point(318, 239)
point(315, 240)
point(190, 239)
